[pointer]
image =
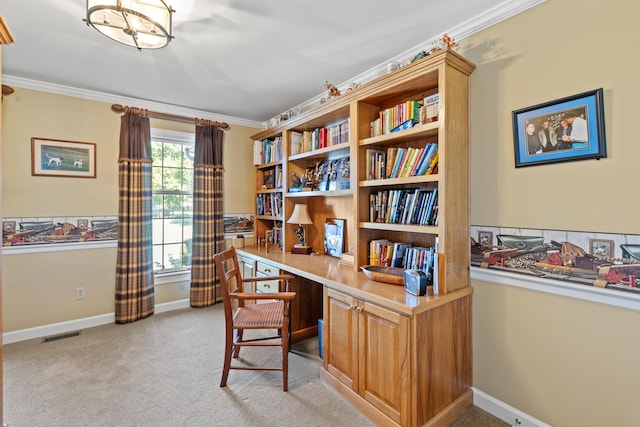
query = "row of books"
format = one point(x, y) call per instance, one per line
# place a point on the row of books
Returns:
point(398, 162)
point(391, 118)
point(269, 204)
point(384, 252)
point(404, 206)
point(302, 142)
point(275, 236)
point(267, 151)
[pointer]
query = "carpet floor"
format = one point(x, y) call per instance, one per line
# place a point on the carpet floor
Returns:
point(165, 371)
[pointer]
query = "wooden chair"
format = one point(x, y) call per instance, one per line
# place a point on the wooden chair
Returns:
point(249, 310)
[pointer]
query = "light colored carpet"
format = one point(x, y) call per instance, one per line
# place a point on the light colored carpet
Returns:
point(165, 371)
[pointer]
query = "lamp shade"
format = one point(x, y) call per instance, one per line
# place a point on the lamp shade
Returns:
point(300, 215)
point(144, 24)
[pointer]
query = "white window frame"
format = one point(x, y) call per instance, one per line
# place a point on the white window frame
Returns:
point(187, 138)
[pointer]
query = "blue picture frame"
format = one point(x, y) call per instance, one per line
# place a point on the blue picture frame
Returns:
point(562, 130)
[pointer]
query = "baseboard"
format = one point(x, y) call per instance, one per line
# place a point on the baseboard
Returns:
point(74, 325)
point(506, 413)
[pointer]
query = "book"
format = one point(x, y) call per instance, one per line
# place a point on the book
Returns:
point(407, 164)
point(434, 162)
point(391, 158)
point(296, 142)
point(414, 162)
point(402, 152)
point(374, 159)
point(433, 148)
point(399, 250)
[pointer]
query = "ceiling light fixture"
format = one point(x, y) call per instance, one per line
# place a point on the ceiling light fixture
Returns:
point(144, 24)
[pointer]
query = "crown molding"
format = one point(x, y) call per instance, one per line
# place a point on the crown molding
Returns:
point(503, 11)
point(123, 100)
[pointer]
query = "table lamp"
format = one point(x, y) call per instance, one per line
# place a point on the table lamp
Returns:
point(301, 217)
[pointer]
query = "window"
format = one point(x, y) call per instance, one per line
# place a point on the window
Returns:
point(172, 199)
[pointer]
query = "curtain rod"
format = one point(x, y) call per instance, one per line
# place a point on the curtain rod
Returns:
point(117, 108)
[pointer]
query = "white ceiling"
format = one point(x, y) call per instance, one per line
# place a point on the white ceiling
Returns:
point(243, 59)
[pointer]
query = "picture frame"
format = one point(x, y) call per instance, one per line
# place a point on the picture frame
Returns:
point(83, 224)
point(485, 238)
point(334, 237)
point(575, 123)
point(9, 227)
point(57, 157)
point(602, 248)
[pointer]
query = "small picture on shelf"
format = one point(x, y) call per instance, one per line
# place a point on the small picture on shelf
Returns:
point(334, 237)
point(268, 179)
point(601, 248)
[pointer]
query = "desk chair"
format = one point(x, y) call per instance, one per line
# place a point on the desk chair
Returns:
point(261, 311)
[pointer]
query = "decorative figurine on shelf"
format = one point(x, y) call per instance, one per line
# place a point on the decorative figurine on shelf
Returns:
point(444, 42)
point(333, 91)
point(298, 181)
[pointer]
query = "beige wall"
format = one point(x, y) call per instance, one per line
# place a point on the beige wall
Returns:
point(39, 289)
point(564, 361)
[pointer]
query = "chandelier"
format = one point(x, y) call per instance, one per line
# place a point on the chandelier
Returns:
point(144, 24)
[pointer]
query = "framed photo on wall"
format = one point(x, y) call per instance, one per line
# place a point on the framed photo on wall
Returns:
point(55, 157)
point(562, 130)
point(601, 248)
point(485, 238)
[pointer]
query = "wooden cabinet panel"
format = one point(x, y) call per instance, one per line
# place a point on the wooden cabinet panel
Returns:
point(341, 338)
point(367, 349)
point(384, 361)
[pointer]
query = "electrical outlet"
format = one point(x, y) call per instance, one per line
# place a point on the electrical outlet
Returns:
point(80, 293)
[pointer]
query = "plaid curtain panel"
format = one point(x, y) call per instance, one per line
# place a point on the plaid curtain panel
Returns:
point(208, 220)
point(134, 266)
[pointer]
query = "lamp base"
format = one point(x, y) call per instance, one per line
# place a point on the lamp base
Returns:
point(305, 250)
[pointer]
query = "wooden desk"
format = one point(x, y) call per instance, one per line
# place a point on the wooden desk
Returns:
point(401, 359)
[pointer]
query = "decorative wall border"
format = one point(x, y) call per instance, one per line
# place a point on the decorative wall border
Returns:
point(600, 263)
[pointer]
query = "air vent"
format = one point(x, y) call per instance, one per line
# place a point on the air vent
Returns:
point(61, 336)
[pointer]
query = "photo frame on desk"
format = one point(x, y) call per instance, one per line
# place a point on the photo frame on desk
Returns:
point(334, 237)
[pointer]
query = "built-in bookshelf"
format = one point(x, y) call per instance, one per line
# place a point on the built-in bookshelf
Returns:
point(403, 147)
point(404, 138)
point(269, 184)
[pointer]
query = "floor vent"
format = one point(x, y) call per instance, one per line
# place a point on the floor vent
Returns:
point(61, 336)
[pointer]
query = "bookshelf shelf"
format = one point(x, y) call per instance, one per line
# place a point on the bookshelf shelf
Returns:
point(398, 181)
point(268, 165)
point(269, 217)
point(330, 193)
point(321, 153)
point(429, 129)
point(403, 228)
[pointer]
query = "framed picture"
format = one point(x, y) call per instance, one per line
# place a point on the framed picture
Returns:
point(9, 226)
point(563, 130)
point(485, 238)
point(83, 224)
point(54, 157)
point(601, 248)
point(334, 237)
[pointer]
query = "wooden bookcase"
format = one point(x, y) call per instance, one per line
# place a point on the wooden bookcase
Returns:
point(445, 73)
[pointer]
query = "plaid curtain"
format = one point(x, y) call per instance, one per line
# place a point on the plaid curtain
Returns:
point(134, 268)
point(208, 209)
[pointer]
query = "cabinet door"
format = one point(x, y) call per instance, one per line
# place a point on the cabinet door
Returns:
point(341, 337)
point(385, 366)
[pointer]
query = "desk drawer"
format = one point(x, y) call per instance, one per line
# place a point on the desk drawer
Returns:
point(267, 287)
point(266, 269)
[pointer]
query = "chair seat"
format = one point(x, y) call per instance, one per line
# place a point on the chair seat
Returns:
point(263, 315)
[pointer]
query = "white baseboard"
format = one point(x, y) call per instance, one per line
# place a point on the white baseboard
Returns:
point(75, 325)
point(506, 413)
